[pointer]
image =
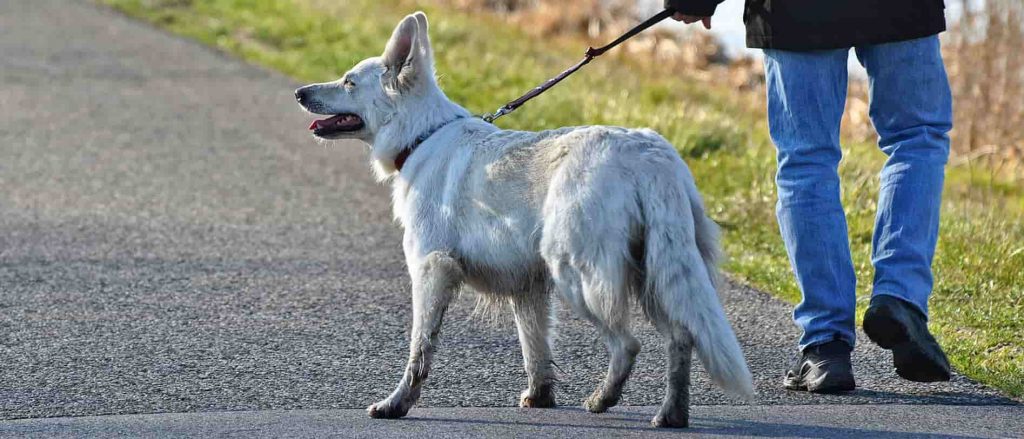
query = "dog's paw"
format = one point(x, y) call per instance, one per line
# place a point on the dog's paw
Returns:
point(387, 409)
point(598, 403)
point(595, 405)
point(539, 400)
point(671, 420)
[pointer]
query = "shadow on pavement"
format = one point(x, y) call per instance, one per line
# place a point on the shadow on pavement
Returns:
point(935, 398)
point(699, 425)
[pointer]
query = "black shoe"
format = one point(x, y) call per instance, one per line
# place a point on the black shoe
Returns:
point(894, 324)
point(823, 368)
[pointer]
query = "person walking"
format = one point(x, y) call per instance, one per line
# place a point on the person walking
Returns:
point(806, 44)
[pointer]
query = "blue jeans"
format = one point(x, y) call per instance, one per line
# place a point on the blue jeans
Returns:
point(911, 109)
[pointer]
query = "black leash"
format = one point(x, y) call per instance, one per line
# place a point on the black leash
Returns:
point(590, 55)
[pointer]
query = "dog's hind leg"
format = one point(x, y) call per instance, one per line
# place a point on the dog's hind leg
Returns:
point(605, 304)
point(675, 409)
point(533, 319)
point(622, 351)
point(433, 285)
point(589, 215)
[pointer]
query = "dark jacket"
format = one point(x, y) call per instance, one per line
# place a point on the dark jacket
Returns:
point(829, 24)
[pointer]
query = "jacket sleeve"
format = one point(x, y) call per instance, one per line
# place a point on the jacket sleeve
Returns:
point(699, 8)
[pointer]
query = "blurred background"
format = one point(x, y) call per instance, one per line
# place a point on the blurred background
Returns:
point(981, 50)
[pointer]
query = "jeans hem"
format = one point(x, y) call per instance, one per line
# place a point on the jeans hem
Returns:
point(904, 299)
point(825, 339)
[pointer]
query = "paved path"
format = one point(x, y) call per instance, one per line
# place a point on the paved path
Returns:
point(822, 421)
point(171, 240)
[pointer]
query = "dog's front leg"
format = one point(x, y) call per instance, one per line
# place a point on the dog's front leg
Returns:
point(433, 286)
point(533, 319)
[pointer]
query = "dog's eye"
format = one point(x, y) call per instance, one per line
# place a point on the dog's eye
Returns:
point(349, 85)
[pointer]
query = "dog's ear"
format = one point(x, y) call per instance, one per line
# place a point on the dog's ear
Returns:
point(408, 56)
point(426, 49)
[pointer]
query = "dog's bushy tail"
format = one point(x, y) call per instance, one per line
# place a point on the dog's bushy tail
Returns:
point(682, 276)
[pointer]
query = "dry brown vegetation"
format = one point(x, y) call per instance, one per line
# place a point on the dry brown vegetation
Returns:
point(981, 50)
point(986, 67)
point(697, 53)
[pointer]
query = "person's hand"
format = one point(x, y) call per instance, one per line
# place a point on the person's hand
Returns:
point(679, 16)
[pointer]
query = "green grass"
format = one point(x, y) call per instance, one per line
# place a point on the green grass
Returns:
point(978, 302)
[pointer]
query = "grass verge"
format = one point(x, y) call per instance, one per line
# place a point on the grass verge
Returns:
point(978, 302)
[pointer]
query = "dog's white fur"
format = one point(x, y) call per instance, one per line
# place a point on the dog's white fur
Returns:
point(603, 216)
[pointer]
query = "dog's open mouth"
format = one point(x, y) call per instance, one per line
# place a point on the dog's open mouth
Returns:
point(341, 123)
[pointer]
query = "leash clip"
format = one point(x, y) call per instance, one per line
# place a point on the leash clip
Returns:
point(490, 118)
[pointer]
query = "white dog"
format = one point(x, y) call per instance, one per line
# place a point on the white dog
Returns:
point(603, 216)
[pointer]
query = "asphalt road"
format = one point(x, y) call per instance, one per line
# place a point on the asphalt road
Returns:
point(827, 421)
point(172, 240)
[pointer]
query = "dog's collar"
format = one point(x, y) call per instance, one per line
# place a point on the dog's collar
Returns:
point(407, 151)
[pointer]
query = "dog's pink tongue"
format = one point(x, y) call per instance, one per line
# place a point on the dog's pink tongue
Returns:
point(323, 122)
point(340, 119)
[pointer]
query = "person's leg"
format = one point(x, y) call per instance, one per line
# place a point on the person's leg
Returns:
point(806, 98)
point(911, 109)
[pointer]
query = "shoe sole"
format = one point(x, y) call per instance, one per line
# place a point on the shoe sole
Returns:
point(913, 362)
point(844, 384)
point(841, 385)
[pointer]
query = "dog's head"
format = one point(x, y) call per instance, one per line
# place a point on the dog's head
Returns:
point(367, 100)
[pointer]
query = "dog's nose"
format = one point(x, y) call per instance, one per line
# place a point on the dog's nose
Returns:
point(301, 95)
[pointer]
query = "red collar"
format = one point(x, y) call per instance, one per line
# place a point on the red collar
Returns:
point(403, 156)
